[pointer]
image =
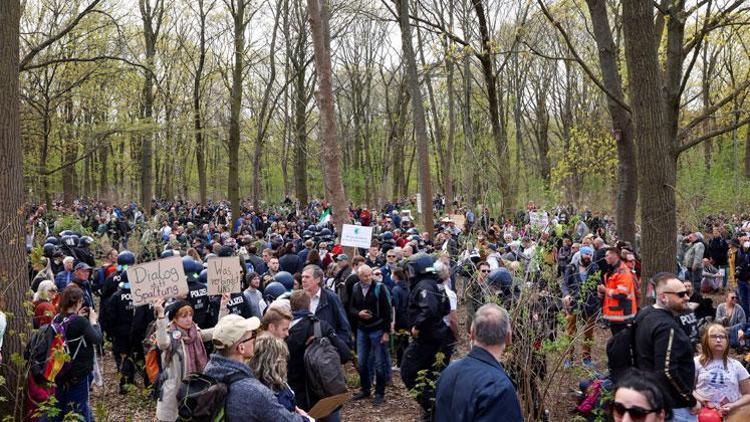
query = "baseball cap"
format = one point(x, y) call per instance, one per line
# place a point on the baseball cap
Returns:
point(586, 250)
point(342, 257)
point(81, 266)
point(231, 328)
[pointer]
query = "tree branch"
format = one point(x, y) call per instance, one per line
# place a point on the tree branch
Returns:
point(693, 142)
point(83, 60)
point(578, 58)
point(711, 110)
point(49, 41)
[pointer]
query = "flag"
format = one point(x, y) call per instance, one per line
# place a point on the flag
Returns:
point(325, 217)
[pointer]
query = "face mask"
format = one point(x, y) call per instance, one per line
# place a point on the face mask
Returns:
point(746, 245)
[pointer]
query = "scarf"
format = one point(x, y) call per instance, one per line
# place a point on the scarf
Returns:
point(195, 358)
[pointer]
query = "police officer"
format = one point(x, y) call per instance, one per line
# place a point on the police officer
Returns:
point(117, 321)
point(198, 294)
point(428, 304)
point(83, 252)
point(112, 283)
point(237, 303)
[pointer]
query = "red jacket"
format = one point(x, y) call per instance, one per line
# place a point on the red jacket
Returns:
point(620, 301)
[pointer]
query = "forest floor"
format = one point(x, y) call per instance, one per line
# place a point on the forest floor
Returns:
point(108, 405)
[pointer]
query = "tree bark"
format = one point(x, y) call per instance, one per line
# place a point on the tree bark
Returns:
point(200, 147)
point(318, 14)
point(486, 58)
point(420, 127)
point(233, 193)
point(656, 150)
point(622, 125)
point(13, 277)
point(152, 19)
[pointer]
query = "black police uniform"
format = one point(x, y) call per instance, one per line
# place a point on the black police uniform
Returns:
point(117, 321)
point(428, 304)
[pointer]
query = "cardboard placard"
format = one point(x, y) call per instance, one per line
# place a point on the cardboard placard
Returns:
point(327, 405)
point(356, 236)
point(224, 274)
point(163, 278)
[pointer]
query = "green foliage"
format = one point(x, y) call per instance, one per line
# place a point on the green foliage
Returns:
point(70, 222)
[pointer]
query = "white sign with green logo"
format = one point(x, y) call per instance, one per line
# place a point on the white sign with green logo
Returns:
point(356, 236)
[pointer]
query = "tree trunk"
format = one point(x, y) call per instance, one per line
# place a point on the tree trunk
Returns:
point(747, 151)
point(656, 148)
point(152, 18)
point(13, 277)
point(486, 58)
point(318, 14)
point(70, 151)
point(200, 147)
point(235, 109)
point(420, 127)
point(300, 133)
point(627, 171)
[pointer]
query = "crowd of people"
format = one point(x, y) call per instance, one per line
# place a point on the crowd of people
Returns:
point(393, 306)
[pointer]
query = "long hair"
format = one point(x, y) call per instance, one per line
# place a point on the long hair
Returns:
point(706, 353)
point(43, 291)
point(269, 361)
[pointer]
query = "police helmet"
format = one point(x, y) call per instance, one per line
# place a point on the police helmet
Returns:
point(420, 264)
point(49, 250)
point(52, 240)
point(85, 241)
point(204, 276)
point(273, 290)
point(286, 280)
point(387, 235)
point(500, 277)
point(125, 258)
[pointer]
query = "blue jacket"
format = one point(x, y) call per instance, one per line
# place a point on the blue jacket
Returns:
point(332, 311)
point(265, 406)
point(476, 388)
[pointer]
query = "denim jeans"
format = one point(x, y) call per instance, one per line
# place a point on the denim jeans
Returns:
point(726, 275)
point(75, 399)
point(368, 343)
point(683, 415)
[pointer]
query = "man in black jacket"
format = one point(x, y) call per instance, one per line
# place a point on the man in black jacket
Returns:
point(663, 347)
point(299, 336)
point(117, 319)
point(371, 307)
point(428, 304)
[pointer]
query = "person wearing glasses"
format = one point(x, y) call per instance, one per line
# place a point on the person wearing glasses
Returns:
point(663, 348)
point(731, 315)
point(723, 383)
point(639, 398)
point(247, 399)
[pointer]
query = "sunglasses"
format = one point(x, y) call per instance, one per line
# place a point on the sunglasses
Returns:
point(390, 256)
point(252, 337)
point(681, 294)
point(485, 271)
point(636, 413)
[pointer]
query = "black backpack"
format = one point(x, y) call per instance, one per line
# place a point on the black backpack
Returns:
point(325, 374)
point(201, 398)
point(37, 350)
point(621, 354)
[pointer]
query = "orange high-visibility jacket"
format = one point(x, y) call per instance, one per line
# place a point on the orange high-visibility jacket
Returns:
point(620, 303)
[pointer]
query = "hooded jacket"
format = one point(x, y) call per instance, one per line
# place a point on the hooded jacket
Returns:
point(247, 399)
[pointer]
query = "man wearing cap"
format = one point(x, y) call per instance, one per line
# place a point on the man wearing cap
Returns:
point(81, 274)
point(247, 399)
point(580, 298)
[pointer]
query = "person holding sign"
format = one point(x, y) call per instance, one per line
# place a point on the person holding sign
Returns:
point(234, 303)
point(183, 353)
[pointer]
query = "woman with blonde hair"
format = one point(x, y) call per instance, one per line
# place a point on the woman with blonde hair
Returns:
point(269, 365)
point(45, 303)
point(722, 383)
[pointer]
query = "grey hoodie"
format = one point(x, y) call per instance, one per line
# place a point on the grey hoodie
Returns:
point(248, 399)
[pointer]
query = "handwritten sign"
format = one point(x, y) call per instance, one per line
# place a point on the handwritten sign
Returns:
point(224, 275)
point(357, 236)
point(161, 278)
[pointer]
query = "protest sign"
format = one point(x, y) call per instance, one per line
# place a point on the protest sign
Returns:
point(224, 275)
point(356, 236)
point(162, 278)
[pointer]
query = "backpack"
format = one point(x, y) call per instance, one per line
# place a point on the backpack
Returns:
point(323, 365)
point(201, 398)
point(51, 353)
point(152, 355)
point(621, 354)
